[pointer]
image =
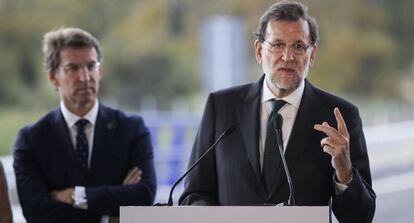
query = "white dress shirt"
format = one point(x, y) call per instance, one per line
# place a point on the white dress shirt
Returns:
point(79, 194)
point(71, 120)
point(288, 112)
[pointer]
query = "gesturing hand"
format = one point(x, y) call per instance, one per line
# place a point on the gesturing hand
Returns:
point(336, 144)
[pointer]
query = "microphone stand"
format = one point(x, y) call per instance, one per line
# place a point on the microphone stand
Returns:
point(278, 127)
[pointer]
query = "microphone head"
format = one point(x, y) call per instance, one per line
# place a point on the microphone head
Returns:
point(278, 121)
point(229, 130)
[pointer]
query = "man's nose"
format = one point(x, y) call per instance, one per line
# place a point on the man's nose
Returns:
point(287, 54)
point(85, 74)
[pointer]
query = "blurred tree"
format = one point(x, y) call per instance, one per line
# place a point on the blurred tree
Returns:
point(151, 47)
point(354, 52)
point(400, 24)
point(149, 58)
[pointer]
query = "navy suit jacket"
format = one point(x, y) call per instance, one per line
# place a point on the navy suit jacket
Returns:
point(231, 175)
point(44, 160)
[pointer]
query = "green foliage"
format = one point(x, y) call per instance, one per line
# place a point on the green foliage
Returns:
point(11, 121)
point(156, 62)
point(151, 48)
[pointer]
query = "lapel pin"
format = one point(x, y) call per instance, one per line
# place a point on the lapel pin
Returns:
point(109, 126)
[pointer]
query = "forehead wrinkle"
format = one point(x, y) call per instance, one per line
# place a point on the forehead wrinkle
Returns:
point(288, 31)
point(78, 56)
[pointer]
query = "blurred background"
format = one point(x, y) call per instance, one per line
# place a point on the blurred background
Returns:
point(162, 57)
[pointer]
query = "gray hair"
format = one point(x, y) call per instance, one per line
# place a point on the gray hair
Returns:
point(287, 11)
point(56, 40)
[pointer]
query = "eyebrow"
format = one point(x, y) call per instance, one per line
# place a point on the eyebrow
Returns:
point(87, 63)
point(280, 40)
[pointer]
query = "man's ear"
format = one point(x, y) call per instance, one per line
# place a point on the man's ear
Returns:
point(53, 79)
point(100, 72)
point(313, 55)
point(258, 51)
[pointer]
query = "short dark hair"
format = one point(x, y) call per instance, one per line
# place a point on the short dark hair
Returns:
point(287, 11)
point(56, 40)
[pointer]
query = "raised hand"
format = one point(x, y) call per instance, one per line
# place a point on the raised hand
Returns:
point(336, 144)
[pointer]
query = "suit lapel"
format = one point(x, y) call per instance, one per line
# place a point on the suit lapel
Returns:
point(303, 126)
point(301, 133)
point(60, 132)
point(248, 114)
point(104, 131)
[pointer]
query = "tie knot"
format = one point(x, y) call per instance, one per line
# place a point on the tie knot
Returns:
point(277, 104)
point(81, 123)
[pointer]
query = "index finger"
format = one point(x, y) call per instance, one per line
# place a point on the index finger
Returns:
point(326, 128)
point(341, 122)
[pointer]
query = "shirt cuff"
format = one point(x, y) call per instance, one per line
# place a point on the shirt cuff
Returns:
point(105, 219)
point(339, 187)
point(79, 198)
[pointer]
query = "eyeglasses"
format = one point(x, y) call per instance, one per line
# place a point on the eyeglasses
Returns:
point(75, 68)
point(298, 48)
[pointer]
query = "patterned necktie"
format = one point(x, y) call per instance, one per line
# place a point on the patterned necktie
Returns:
point(271, 157)
point(82, 146)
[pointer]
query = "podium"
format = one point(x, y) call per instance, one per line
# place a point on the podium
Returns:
point(225, 214)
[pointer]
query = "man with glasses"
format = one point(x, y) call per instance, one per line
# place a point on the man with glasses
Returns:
point(83, 160)
point(322, 134)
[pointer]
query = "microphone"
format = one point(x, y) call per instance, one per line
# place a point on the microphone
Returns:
point(226, 133)
point(278, 121)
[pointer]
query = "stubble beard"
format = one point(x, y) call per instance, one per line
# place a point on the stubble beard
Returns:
point(281, 87)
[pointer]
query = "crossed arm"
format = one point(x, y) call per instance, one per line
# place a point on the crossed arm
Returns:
point(36, 173)
point(65, 195)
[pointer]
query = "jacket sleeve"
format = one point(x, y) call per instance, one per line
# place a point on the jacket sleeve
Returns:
point(201, 183)
point(5, 210)
point(32, 188)
point(357, 202)
point(106, 199)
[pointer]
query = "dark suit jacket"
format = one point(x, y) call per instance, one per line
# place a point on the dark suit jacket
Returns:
point(231, 175)
point(44, 160)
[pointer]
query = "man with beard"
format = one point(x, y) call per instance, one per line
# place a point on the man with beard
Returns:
point(83, 160)
point(322, 134)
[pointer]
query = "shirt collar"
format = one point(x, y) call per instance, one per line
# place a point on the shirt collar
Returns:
point(72, 118)
point(293, 98)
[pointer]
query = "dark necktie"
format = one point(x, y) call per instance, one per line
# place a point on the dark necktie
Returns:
point(82, 146)
point(271, 157)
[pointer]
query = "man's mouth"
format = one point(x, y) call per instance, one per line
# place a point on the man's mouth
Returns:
point(286, 69)
point(84, 89)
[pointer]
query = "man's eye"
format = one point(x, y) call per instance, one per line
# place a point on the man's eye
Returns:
point(279, 45)
point(298, 46)
point(72, 68)
point(91, 66)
